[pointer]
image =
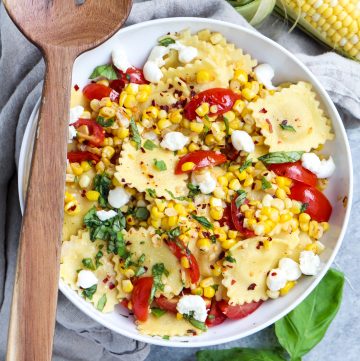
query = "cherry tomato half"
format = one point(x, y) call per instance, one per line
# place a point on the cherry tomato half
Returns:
point(223, 98)
point(96, 132)
point(99, 91)
point(140, 297)
point(79, 156)
point(215, 316)
point(201, 159)
point(132, 75)
point(294, 171)
point(238, 311)
point(318, 206)
point(238, 219)
point(167, 304)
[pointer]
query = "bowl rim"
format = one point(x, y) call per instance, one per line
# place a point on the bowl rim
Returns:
point(325, 98)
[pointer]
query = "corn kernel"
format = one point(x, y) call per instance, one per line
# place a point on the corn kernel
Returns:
point(103, 82)
point(132, 89)
point(68, 197)
point(179, 316)
point(164, 123)
point(76, 168)
point(182, 151)
point(239, 106)
point(85, 165)
point(193, 146)
point(142, 96)
point(241, 76)
point(184, 262)
point(196, 127)
point(304, 218)
point(95, 105)
point(187, 166)
point(107, 112)
point(130, 101)
point(216, 213)
point(92, 195)
point(129, 273)
point(285, 217)
point(280, 193)
point(180, 209)
point(234, 184)
point(242, 175)
point(248, 94)
point(203, 109)
point(209, 292)
point(152, 112)
point(203, 76)
point(311, 247)
point(285, 290)
point(325, 226)
point(220, 233)
point(207, 282)
point(84, 181)
point(304, 226)
point(203, 244)
point(155, 213)
point(72, 208)
point(127, 286)
point(108, 152)
point(216, 271)
point(123, 133)
point(228, 243)
point(175, 117)
point(248, 181)
point(172, 221)
point(232, 234)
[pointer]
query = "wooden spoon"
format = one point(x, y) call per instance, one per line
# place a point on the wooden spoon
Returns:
point(62, 29)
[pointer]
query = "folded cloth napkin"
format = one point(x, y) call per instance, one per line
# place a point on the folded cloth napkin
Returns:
point(78, 337)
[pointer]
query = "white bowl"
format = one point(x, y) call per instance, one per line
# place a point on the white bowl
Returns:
point(138, 40)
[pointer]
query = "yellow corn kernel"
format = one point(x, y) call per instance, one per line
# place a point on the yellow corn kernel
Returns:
point(95, 105)
point(193, 146)
point(108, 152)
point(172, 221)
point(187, 166)
point(203, 109)
point(203, 76)
point(107, 112)
point(285, 217)
point(232, 234)
point(84, 181)
point(175, 117)
point(295, 209)
point(196, 127)
point(130, 220)
point(198, 291)
point(142, 96)
point(206, 282)
point(248, 181)
point(162, 114)
point(209, 292)
point(127, 286)
point(241, 175)
point(103, 82)
point(304, 226)
point(241, 76)
point(155, 213)
point(280, 193)
point(239, 106)
point(220, 233)
point(152, 112)
point(223, 181)
point(216, 213)
point(85, 165)
point(216, 270)
point(156, 223)
point(285, 290)
point(72, 208)
point(234, 184)
point(325, 226)
point(145, 87)
point(68, 197)
point(304, 218)
point(179, 316)
point(203, 244)
point(132, 89)
point(182, 151)
point(122, 98)
point(76, 168)
point(229, 115)
point(249, 213)
point(180, 209)
point(184, 262)
point(311, 247)
point(164, 123)
point(251, 222)
point(228, 243)
point(266, 211)
point(248, 94)
point(130, 101)
point(123, 133)
point(219, 193)
point(92, 195)
point(283, 181)
point(268, 225)
point(313, 228)
point(129, 273)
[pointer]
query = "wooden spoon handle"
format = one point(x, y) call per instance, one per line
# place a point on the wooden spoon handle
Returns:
point(35, 292)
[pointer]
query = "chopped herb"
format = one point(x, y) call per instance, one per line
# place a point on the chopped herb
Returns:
point(281, 157)
point(97, 259)
point(157, 271)
point(141, 213)
point(140, 271)
point(245, 165)
point(265, 184)
point(213, 238)
point(141, 259)
point(284, 126)
point(160, 165)
point(173, 196)
point(166, 337)
point(166, 41)
point(151, 192)
point(135, 133)
point(107, 71)
point(198, 324)
point(230, 259)
point(102, 185)
point(149, 144)
point(211, 317)
point(304, 207)
point(89, 292)
point(194, 190)
point(105, 122)
point(240, 199)
point(203, 221)
point(88, 263)
point(227, 128)
point(102, 302)
point(157, 312)
point(174, 233)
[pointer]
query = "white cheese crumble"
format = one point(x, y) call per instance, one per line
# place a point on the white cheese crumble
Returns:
point(174, 141)
point(105, 215)
point(72, 133)
point(192, 304)
point(118, 197)
point(321, 168)
point(291, 269)
point(75, 113)
point(264, 74)
point(86, 279)
point(242, 141)
point(120, 59)
point(309, 263)
point(157, 55)
point(152, 72)
point(276, 279)
point(187, 54)
point(205, 181)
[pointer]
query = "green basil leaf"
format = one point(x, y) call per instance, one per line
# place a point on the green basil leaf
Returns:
point(89, 292)
point(304, 327)
point(284, 126)
point(166, 41)
point(157, 271)
point(157, 312)
point(97, 259)
point(141, 213)
point(230, 259)
point(198, 324)
point(174, 233)
point(135, 133)
point(88, 263)
point(304, 207)
point(245, 165)
point(203, 221)
point(140, 271)
point(281, 157)
point(227, 128)
point(149, 144)
point(166, 337)
point(107, 71)
point(239, 354)
point(194, 190)
point(240, 199)
point(105, 122)
point(102, 302)
point(173, 196)
point(102, 184)
point(265, 184)
point(160, 165)
point(151, 192)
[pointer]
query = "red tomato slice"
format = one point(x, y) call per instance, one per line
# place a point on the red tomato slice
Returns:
point(226, 218)
point(238, 220)
point(79, 156)
point(201, 159)
point(223, 98)
point(96, 131)
point(215, 316)
point(167, 304)
point(99, 91)
point(294, 171)
point(238, 311)
point(318, 206)
point(140, 297)
point(134, 75)
point(179, 250)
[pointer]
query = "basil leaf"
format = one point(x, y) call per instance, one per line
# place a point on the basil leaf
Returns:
point(281, 157)
point(240, 199)
point(157, 312)
point(89, 292)
point(198, 324)
point(245, 165)
point(166, 337)
point(149, 145)
point(88, 263)
point(230, 259)
point(97, 259)
point(135, 133)
point(304, 327)
point(265, 184)
point(227, 128)
point(166, 41)
point(151, 192)
point(304, 207)
point(239, 354)
point(140, 271)
point(102, 302)
point(203, 221)
point(174, 233)
point(141, 213)
point(107, 71)
point(284, 126)
point(173, 196)
point(102, 185)
point(194, 190)
point(105, 122)
point(157, 271)
point(160, 165)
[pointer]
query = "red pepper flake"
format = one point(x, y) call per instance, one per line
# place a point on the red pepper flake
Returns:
point(111, 286)
point(233, 282)
point(263, 110)
point(106, 279)
point(76, 87)
point(270, 125)
point(252, 287)
point(260, 244)
point(273, 273)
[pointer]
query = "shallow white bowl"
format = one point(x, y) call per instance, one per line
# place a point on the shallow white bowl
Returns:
point(138, 40)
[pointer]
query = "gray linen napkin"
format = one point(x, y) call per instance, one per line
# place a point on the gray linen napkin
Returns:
point(77, 337)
